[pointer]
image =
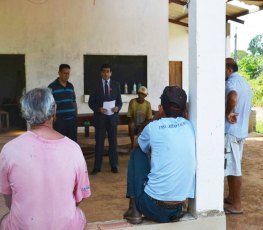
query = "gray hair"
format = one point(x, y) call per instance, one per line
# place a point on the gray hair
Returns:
point(38, 106)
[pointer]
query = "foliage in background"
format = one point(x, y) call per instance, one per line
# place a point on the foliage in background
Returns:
point(251, 67)
point(259, 126)
point(241, 54)
point(255, 46)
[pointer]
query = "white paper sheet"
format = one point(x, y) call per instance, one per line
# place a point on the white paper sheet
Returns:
point(108, 105)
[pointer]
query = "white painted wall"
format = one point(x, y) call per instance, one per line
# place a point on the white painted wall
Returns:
point(178, 50)
point(62, 31)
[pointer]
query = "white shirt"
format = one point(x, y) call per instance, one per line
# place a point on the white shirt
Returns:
point(237, 83)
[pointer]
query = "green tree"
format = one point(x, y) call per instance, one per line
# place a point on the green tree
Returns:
point(240, 54)
point(257, 87)
point(255, 46)
point(251, 66)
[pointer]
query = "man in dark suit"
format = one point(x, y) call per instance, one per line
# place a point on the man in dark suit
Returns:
point(106, 90)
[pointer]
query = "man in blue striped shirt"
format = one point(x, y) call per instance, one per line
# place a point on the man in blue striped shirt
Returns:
point(66, 113)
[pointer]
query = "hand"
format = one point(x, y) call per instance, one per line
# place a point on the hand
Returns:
point(115, 109)
point(102, 110)
point(232, 117)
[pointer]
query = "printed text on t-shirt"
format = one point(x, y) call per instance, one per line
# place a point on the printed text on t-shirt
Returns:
point(172, 125)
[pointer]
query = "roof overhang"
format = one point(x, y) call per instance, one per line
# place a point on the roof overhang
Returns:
point(178, 13)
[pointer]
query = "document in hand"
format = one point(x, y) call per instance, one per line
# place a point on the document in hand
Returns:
point(108, 105)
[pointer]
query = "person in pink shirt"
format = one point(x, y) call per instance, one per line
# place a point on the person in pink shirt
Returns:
point(43, 174)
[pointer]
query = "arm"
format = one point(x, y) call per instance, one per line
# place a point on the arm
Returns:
point(5, 187)
point(149, 114)
point(230, 105)
point(92, 103)
point(118, 103)
point(82, 184)
point(136, 144)
point(130, 112)
point(75, 107)
point(74, 102)
point(143, 140)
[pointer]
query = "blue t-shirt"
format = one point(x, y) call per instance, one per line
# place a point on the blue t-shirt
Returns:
point(173, 165)
point(243, 107)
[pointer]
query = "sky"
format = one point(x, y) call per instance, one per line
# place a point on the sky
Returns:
point(245, 32)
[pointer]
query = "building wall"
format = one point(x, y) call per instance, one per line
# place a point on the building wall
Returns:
point(62, 31)
point(178, 49)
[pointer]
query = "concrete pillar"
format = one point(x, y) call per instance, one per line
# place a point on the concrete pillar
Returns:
point(206, 84)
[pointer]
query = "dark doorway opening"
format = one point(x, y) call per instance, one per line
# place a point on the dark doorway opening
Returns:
point(12, 78)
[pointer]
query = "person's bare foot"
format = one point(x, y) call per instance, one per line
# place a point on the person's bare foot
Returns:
point(227, 200)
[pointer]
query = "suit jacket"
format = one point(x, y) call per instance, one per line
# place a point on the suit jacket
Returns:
point(96, 100)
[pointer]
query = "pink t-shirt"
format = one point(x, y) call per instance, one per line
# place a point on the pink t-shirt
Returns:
point(46, 179)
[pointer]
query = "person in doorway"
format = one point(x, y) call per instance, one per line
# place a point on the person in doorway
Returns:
point(139, 113)
point(238, 108)
point(158, 186)
point(43, 173)
point(64, 94)
point(105, 101)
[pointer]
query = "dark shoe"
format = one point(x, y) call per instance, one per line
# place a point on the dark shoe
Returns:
point(177, 217)
point(95, 171)
point(114, 170)
point(127, 213)
point(132, 215)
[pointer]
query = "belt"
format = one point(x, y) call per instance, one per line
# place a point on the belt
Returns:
point(167, 204)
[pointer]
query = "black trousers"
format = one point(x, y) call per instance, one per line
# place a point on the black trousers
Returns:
point(100, 133)
point(67, 127)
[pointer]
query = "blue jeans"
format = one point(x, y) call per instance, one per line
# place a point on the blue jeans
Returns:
point(138, 170)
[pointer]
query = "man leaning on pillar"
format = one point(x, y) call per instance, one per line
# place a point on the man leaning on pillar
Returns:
point(238, 108)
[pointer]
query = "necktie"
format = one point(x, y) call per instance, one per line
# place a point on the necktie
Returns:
point(106, 90)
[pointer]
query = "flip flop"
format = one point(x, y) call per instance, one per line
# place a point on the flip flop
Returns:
point(229, 211)
point(227, 201)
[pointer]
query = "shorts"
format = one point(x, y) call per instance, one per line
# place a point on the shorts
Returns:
point(233, 155)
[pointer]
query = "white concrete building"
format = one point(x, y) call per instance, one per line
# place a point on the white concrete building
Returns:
point(49, 33)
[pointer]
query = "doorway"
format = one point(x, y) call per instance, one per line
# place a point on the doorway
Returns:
point(12, 78)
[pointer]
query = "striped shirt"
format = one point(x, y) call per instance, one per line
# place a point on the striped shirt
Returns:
point(65, 99)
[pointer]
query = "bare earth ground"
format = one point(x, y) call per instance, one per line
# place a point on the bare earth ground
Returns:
point(108, 201)
point(252, 187)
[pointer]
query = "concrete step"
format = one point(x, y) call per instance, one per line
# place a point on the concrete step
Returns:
point(123, 224)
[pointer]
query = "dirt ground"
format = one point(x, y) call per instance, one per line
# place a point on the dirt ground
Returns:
point(108, 200)
point(252, 187)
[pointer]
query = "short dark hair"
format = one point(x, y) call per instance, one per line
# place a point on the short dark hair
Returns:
point(63, 66)
point(172, 110)
point(105, 66)
point(173, 101)
point(231, 63)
